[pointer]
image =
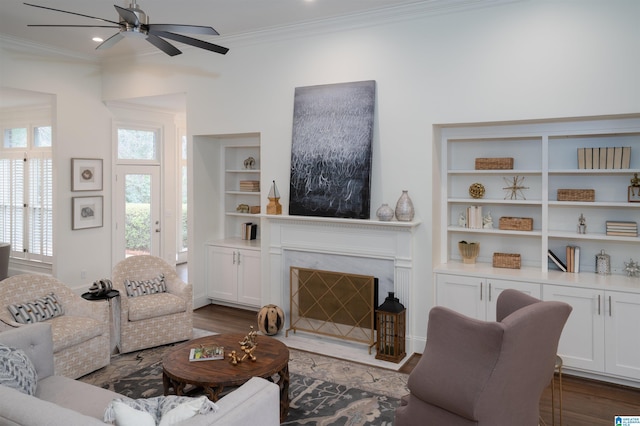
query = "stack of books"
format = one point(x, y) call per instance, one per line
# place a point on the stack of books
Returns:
point(573, 259)
point(474, 217)
point(250, 185)
point(249, 231)
point(622, 228)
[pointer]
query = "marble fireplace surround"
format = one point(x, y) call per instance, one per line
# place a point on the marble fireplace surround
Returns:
point(368, 247)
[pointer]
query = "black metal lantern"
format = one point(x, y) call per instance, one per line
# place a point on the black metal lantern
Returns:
point(391, 323)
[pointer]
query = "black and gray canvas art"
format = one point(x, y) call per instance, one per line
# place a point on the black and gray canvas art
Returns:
point(331, 150)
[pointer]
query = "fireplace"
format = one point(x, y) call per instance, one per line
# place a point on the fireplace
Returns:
point(365, 247)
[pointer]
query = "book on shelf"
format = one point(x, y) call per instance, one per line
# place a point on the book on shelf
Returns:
point(588, 158)
point(249, 231)
point(207, 353)
point(596, 158)
point(626, 223)
point(626, 157)
point(557, 261)
point(610, 152)
point(581, 160)
point(617, 157)
point(603, 158)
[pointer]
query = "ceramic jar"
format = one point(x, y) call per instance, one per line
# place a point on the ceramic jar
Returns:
point(384, 213)
point(404, 208)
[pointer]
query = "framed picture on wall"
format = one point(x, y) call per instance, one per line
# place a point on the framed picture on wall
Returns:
point(87, 212)
point(86, 174)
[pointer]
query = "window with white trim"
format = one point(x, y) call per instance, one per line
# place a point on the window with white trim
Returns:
point(26, 191)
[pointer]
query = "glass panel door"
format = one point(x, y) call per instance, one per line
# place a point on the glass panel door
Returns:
point(138, 226)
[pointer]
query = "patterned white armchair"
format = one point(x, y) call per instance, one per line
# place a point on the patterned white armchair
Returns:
point(80, 327)
point(156, 306)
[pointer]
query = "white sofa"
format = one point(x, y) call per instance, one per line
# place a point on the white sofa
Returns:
point(61, 401)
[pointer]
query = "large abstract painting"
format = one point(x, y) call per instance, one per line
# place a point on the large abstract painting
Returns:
point(331, 150)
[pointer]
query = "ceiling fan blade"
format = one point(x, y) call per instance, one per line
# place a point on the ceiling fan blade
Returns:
point(73, 26)
point(192, 41)
point(129, 17)
point(163, 45)
point(178, 28)
point(71, 13)
point(110, 41)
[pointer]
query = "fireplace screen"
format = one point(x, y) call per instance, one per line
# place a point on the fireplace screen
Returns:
point(333, 304)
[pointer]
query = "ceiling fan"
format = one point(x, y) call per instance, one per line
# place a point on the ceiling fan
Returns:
point(133, 22)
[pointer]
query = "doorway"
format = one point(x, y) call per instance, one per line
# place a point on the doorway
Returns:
point(137, 211)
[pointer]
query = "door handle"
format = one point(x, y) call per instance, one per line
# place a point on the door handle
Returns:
point(480, 290)
point(157, 226)
point(238, 258)
point(234, 257)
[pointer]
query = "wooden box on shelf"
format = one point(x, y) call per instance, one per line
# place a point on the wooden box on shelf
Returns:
point(501, 163)
point(576, 194)
point(506, 260)
point(515, 223)
point(254, 209)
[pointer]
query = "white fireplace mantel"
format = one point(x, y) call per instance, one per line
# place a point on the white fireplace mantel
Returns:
point(348, 237)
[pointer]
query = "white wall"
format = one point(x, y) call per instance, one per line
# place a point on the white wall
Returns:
point(82, 129)
point(525, 60)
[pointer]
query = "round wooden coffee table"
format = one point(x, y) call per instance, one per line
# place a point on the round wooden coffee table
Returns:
point(213, 376)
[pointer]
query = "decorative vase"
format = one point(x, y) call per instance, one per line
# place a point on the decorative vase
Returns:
point(404, 208)
point(270, 319)
point(468, 251)
point(384, 213)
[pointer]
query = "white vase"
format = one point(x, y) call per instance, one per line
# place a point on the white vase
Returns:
point(384, 213)
point(404, 208)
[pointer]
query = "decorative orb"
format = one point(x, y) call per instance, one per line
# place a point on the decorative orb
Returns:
point(476, 190)
point(270, 319)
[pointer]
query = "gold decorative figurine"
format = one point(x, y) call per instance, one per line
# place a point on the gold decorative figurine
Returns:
point(247, 345)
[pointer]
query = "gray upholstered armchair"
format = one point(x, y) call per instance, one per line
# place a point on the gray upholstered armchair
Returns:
point(485, 373)
point(80, 328)
point(153, 313)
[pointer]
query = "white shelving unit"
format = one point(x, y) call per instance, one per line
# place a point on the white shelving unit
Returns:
point(545, 155)
point(234, 172)
point(598, 340)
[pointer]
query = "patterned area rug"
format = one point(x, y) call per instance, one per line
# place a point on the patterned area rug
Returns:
point(322, 390)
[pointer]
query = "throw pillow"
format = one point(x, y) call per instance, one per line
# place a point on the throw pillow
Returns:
point(158, 407)
point(144, 287)
point(129, 416)
point(17, 371)
point(184, 411)
point(41, 309)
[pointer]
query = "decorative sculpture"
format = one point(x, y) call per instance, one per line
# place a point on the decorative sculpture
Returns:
point(582, 224)
point(515, 188)
point(247, 346)
point(631, 268)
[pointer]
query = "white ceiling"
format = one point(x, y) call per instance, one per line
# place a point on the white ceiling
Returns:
point(228, 17)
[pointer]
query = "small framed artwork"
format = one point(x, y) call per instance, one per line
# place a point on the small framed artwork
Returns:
point(86, 174)
point(634, 194)
point(87, 212)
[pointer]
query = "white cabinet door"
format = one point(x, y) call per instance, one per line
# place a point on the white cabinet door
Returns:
point(582, 341)
point(622, 342)
point(249, 277)
point(462, 294)
point(495, 287)
point(222, 273)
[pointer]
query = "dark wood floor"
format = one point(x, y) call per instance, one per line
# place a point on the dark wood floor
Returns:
point(585, 402)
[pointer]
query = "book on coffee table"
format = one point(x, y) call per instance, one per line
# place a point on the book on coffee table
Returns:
point(206, 353)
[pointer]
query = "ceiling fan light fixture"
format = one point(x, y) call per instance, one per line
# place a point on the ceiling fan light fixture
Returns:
point(98, 39)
